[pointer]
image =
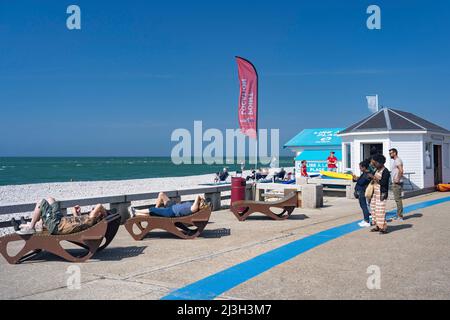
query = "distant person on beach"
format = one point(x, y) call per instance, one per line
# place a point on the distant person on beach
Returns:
point(304, 169)
point(380, 194)
point(252, 176)
point(280, 175)
point(397, 181)
point(332, 162)
point(222, 176)
point(360, 191)
point(168, 208)
point(261, 174)
point(48, 212)
point(257, 175)
point(288, 176)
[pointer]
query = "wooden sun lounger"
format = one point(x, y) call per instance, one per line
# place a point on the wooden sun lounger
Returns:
point(179, 226)
point(242, 209)
point(89, 239)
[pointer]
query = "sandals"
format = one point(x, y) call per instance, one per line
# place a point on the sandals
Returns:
point(377, 229)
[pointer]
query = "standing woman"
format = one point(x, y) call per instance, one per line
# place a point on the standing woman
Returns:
point(360, 191)
point(381, 188)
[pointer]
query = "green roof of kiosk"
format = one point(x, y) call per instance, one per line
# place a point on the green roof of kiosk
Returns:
point(322, 137)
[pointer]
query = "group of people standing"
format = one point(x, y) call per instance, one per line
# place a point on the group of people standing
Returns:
point(372, 189)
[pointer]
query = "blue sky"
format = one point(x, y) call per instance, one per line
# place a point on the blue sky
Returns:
point(140, 69)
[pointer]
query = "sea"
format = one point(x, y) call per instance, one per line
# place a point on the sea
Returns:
point(30, 170)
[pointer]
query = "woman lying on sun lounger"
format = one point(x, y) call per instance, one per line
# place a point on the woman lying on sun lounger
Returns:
point(49, 214)
point(169, 208)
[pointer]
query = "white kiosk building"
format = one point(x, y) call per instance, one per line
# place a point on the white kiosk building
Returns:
point(423, 146)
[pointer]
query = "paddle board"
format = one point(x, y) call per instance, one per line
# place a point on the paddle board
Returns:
point(337, 175)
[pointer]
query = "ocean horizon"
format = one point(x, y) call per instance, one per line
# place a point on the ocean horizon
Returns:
point(32, 170)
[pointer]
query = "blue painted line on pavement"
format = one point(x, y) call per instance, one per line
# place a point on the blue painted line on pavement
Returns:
point(218, 283)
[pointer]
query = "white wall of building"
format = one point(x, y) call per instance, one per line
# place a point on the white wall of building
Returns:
point(411, 151)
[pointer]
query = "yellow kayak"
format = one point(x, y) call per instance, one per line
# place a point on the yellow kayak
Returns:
point(337, 175)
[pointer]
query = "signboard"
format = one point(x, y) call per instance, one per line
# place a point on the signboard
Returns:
point(321, 137)
point(316, 166)
point(324, 136)
point(313, 166)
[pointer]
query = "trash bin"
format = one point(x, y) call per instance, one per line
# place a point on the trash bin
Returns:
point(237, 189)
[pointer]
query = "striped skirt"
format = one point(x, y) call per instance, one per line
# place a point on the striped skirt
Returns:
point(378, 209)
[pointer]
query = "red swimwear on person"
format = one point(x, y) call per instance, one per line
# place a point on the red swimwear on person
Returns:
point(304, 173)
point(332, 160)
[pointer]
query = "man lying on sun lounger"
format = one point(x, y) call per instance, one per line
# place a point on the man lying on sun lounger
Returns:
point(222, 176)
point(169, 208)
point(48, 212)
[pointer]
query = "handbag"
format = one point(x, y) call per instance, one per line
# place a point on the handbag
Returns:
point(370, 190)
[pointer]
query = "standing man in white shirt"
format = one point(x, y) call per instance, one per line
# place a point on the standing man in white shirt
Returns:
point(397, 181)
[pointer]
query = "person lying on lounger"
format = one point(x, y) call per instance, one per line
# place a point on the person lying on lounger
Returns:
point(280, 175)
point(257, 175)
point(221, 176)
point(169, 208)
point(48, 212)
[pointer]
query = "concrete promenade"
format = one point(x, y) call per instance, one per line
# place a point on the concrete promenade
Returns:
point(413, 258)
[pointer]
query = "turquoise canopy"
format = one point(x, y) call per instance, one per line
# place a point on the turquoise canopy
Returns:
point(322, 137)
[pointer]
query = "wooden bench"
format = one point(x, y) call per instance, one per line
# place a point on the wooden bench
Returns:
point(243, 209)
point(186, 227)
point(89, 239)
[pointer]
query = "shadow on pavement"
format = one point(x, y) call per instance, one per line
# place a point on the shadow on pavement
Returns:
point(292, 217)
point(413, 216)
point(216, 233)
point(399, 227)
point(118, 253)
point(109, 254)
point(207, 233)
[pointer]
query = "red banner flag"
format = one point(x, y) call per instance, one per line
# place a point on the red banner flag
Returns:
point(248, 98)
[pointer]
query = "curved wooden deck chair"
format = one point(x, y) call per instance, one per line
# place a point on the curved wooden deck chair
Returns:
point(242, 209)
point(187, 227)
point(89, 239)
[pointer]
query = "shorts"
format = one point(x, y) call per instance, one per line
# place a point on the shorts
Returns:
point(51, 215)
point(162, 212)
point(169, 204)
point(69, 225)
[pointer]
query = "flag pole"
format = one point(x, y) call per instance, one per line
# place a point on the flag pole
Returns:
point(257, 115)
point(256, 151)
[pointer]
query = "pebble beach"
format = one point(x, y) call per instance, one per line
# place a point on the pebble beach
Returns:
point(15, 194)
point(28, 193)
